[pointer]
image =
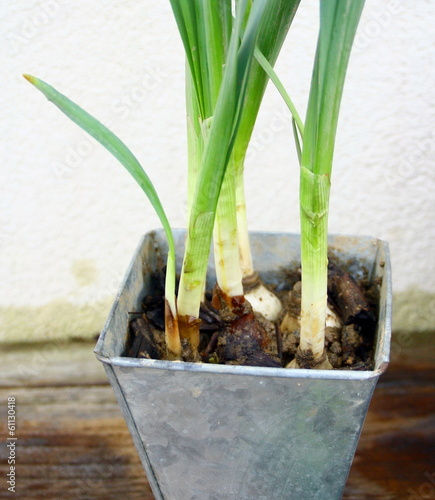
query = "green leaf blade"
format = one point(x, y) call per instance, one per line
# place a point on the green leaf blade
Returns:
point(339, 21)
point(217, 153)
point(115, 146)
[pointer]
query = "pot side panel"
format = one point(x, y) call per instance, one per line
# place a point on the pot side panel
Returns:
point(213, 436)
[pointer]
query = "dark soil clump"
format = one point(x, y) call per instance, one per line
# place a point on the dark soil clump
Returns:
point(231, 333)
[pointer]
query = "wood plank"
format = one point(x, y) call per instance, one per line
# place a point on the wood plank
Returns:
point(73, 441)
point(397, 445)
point(50, 364)
point(396, 451)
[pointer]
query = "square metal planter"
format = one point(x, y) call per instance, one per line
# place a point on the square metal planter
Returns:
point(215, 432)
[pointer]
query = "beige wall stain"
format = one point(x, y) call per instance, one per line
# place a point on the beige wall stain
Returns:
point(84, 271)
point(414, 312)
point(58, 320)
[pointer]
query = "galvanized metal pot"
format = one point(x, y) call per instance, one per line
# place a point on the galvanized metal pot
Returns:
point(214, 432)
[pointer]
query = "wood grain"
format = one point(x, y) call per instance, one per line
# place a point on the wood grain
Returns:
point(73, 442)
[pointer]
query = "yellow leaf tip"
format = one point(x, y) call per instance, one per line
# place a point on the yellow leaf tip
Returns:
point(29, 78)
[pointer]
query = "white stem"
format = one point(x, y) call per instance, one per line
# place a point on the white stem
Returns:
point(262, 300)
point(226, 253)
point(246, 263)
point(313, 326)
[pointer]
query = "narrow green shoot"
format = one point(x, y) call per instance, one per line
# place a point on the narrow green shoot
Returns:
point(338, 23)
point(278, 17)
point(217, 154)
point(281, 89)
point(120, 151)
point(213, 25)
point(297, 125)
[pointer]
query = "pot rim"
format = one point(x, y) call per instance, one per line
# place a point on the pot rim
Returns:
point(254, 371)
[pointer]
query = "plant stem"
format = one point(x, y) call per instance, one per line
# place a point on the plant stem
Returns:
point(195, 138)
point(245, 255)
point(217, 155)
point(314, 260)
point(278, 17)
point(338, 23)
point(226, 249)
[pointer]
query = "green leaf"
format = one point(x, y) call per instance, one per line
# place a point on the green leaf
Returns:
point(228, 108)
point(298, 139)
point(280, 87)
point(277, 19)
point(338, 23)
point(185, 16)
point(218, 149)
point(118, 149)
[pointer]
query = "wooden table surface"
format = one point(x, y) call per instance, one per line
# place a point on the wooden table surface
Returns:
point(73, 443)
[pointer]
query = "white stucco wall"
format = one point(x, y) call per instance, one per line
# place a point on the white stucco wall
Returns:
point(70, 216)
